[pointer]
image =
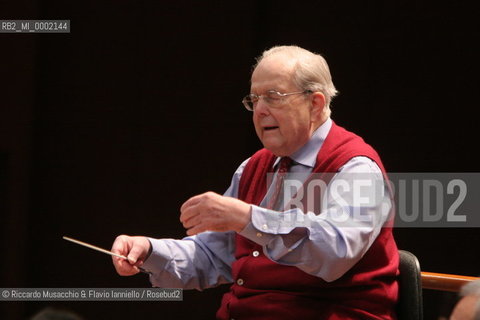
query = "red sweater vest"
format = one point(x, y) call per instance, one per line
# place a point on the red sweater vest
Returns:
point(268, 290)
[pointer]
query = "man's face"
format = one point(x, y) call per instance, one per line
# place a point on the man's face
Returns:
point(286, 128)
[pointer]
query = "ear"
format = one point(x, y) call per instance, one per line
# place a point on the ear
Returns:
point(317, 108)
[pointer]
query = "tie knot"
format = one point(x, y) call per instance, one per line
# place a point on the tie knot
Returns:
point(284, 164)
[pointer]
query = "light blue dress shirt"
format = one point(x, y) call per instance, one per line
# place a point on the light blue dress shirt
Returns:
point(325, 245)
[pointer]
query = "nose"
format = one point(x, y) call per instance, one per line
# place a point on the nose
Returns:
point(261, 108)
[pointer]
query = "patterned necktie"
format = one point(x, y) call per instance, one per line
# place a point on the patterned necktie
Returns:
point(283, 167)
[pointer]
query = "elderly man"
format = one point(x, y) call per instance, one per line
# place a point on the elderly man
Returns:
point(335, 259)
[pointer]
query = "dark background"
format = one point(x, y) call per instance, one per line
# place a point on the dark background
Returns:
point(110, 128)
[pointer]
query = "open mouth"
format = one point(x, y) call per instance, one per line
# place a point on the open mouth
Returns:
point(270, 128)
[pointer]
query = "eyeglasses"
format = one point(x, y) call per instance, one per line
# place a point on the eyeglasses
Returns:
point(271, 97)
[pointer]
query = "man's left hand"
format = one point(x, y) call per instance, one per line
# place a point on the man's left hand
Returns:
point(212, 212)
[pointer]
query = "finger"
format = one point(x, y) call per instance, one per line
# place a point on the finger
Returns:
point(139, 250)
point(138, 264)
point(191, 202)
point(196, 230)
point(133, 247)
point(121, 245)
point(124, 268)
point(194, 218)
point(189, 213)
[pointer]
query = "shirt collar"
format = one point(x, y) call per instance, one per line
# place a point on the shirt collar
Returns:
point(307, 155)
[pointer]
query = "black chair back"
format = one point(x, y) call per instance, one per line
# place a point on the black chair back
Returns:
point(410, 303)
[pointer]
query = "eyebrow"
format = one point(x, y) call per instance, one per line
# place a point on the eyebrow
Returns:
point(276, 90)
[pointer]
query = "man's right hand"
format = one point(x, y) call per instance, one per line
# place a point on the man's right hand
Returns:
point(136, 249)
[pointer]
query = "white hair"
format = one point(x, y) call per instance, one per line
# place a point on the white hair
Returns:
point(310, 71)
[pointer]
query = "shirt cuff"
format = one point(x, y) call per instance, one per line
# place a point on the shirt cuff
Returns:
point(157, 260)
point(265, 225)
point(257, 236)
